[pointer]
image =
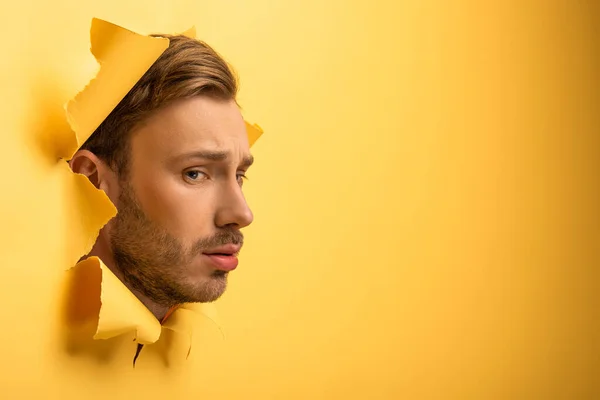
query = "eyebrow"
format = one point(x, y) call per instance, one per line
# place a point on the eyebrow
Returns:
point(215, 156)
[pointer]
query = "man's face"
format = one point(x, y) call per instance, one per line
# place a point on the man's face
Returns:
point(180, 206)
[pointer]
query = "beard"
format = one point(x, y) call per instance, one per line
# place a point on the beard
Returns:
point(157, 264)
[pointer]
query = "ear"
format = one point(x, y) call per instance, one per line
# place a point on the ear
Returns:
point(97, 171)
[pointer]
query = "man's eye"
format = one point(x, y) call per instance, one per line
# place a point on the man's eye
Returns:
point(241, 178)
point(194, 174)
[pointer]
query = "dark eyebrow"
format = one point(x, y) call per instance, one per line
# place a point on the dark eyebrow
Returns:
point(215, 156)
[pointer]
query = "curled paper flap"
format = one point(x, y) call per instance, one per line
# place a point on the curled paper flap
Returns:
point(89, 209)
point(124, 57)
point(181, 321)
point(208, 310)
point(97, 295)
point(254, 132)
point(191, 33)
point(120, 310)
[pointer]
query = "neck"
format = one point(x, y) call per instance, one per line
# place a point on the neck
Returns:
point(102, 250)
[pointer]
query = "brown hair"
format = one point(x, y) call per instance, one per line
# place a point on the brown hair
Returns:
point(187, 68)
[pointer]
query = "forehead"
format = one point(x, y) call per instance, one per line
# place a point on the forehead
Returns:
point(199, 123)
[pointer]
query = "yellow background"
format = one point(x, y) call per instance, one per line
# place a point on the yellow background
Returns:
point(425, 197)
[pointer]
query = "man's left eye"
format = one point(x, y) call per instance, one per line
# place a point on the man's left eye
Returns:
point(241, 178)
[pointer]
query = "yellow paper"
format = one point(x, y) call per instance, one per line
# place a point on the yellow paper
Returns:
point(121, 311)
point(124, 57)
point(191, 33)
point(458, 259)
point(76, 327)
point(87, 210)
point(254, 132)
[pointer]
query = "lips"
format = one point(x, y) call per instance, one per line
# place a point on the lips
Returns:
point(223, 258)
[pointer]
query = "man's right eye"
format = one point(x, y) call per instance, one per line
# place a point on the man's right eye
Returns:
point(194, 174)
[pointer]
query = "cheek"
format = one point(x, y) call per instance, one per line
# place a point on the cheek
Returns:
point(184, 211)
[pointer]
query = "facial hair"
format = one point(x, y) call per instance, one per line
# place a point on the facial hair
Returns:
point(154, 263)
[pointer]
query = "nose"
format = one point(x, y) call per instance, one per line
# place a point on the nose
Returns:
point(233, 210)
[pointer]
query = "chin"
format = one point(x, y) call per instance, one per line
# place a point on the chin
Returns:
point(209, 289)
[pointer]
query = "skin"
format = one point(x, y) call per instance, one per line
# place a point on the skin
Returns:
point(182, 195)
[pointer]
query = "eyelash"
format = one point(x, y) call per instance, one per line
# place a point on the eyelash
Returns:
point(186, 174)
point(240, 176)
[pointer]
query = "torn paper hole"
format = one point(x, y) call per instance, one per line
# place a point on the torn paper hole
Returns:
point(124, 57)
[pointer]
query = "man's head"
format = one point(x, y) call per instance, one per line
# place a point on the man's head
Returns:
point(172, 156)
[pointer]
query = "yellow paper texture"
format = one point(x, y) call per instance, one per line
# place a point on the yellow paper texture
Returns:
point(124, 58)
point(426, 225)
point(182, 320)
point(87, 323)
point(191, 33)
point(254, 132)
point(121, 311)
point(101, 314)
point(88, 209)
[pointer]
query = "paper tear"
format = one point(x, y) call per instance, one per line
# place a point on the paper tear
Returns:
point(138, 351)
point(120, 310)
point(254, 132)
point(124, 57)
point(89, 209)
point(191, 33)
point(208, 311)
point(180, 322)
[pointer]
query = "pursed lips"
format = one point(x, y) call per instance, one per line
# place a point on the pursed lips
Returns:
point(228, 249)
point(224, 257)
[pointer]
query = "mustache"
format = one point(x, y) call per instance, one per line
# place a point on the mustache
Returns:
point(219, 239)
